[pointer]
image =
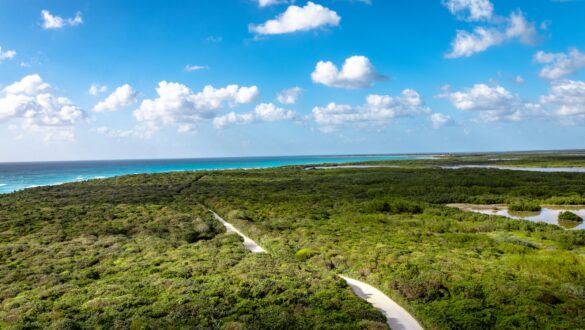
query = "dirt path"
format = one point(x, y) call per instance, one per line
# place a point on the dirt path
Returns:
point(248, 243)
point(398, 318)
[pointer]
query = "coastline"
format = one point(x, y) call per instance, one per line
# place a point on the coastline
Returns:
point(20, 176)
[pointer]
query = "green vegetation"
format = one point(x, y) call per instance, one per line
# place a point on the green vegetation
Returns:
point(512, 159)
point(73, 260)
point(451, 269)
point(524, 206)
point(569, 216)
point(143, 252)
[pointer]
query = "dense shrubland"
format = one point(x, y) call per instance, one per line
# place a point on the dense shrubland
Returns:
point(69, 260)
point(143, 252)
point(452, 269)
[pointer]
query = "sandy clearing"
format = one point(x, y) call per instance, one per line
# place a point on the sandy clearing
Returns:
point(398, 318)
point(248, 242)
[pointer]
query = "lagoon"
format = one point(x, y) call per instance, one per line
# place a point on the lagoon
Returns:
point(548, 214)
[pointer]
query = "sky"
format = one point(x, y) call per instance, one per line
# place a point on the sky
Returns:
point(82, 80)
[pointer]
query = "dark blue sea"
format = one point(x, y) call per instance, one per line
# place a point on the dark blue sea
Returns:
point(17, 176)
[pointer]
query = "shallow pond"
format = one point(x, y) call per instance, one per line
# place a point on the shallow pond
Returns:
point(528, 169)
point(549, 214)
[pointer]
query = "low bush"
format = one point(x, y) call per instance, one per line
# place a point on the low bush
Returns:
point(524, 206)
point(569, 216)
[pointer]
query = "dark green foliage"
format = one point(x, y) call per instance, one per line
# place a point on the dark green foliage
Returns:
point(570, 216)
point(524, 206)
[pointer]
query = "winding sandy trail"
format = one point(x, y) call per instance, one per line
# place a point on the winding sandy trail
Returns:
point(248, 242)
point(398, 318)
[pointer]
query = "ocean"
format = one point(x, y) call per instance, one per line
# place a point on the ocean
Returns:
point(18, 176)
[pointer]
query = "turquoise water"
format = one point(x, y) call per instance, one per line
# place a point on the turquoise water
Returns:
point(17, 176)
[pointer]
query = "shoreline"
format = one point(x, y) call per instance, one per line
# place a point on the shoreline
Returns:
point(50, 174)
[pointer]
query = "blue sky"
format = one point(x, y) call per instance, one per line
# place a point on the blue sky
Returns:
point(419, 76)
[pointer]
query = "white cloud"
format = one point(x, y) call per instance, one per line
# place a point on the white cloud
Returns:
point(176, 104)
point(357, 72)
point(493, 103)
point(565, 102)
point(266, 3)
point(96, 89)
point(439, 120)
point(31, 84)
point(30, 101)
point(6, 55)
point(123, 96)
point(472, 10)
point(559, 65)
point(233, 118)
point(269, 112)
point(519, 80)
point(264, 112)
point(290, 95)
point(514, 27)
point(55, 22)
point(378, 110)
point(567, 98)
point(295, 19)
point(193, 68)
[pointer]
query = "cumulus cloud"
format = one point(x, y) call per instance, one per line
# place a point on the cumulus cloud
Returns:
point(294, 19)
point(514, 27)
point(439, 120)
point(31, 102)
point(96, 89)
point(357, 72)
point(31, 85)
point(123, 96)
point(177, 105)
point(6, 55)
point(567, 98)
point(558, 65)
point(264, 112)
point(378, 110)
point(493, 103)
point(290, 95)
point(55, 22)
point(471, 10)
point(565, 102)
